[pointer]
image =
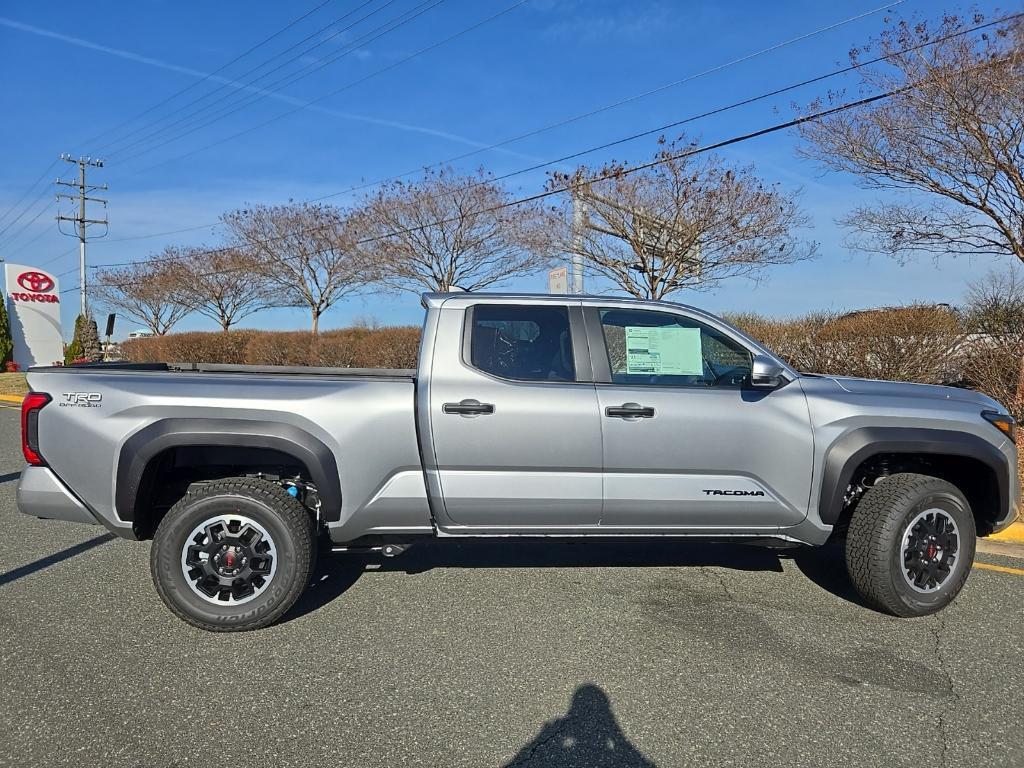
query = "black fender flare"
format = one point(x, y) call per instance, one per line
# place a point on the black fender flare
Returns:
point(139, 449)
point(849, 451)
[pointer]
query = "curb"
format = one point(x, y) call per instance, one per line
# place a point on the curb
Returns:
point(12, 398)
point(1014, 534)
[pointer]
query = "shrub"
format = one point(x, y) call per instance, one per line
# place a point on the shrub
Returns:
point(342, 348)
point(337, 349)
point(218, 347)
point(85, 343)
point(149, 349)
point(279, 348)
point(794, 340)
point(993, 356)
point(6, 340)
point(388, 348)
point(911, 343)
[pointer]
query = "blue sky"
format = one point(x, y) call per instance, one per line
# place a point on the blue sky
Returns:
point(73, 74)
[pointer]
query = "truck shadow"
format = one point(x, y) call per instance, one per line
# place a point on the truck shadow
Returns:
point(57, 557)
point(336, 574)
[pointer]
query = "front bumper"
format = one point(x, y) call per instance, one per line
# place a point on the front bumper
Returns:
point(42, 494)
point(1012, 511)
point(1011, 517)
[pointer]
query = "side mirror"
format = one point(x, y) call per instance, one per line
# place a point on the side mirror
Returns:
point(765, 373)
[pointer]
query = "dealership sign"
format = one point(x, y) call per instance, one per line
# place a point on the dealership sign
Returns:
point(33, 304)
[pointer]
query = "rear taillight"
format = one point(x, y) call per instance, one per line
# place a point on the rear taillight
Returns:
point(30, 407)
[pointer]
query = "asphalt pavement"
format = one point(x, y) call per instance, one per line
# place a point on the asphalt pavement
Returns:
point(501, 653)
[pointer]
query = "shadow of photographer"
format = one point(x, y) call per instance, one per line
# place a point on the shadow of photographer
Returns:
point(587, 735)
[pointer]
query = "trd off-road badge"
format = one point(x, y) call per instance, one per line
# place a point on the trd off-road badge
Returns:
point(81, 400)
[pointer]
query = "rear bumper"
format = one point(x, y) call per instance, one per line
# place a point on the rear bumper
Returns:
point(42, 494)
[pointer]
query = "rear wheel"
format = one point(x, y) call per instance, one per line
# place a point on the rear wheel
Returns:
point(910, 545)
point(233, 554)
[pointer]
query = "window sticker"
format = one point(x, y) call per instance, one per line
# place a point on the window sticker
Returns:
point(667, 351)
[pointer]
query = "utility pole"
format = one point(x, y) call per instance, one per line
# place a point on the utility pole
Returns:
point(579, 217)
point(81, 221)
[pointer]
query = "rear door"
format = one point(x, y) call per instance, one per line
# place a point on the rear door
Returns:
point(687, 442)
point(514, 421)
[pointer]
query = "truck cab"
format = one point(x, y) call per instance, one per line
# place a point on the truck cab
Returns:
point(562, 415)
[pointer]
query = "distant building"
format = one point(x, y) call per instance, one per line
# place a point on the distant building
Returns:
point(141, 333)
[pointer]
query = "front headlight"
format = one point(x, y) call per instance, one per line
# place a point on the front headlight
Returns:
point(1004, 422)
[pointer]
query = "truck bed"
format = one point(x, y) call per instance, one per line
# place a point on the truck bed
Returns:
point(343, 427)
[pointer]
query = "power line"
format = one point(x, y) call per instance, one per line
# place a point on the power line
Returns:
point(680, 81)
point(162, 234)
point(9, 245)
point(557, 190)
point(207, 76)
point(543, 129)
point(13, 237)
point(170, 127)
point(692, 118)
point(367, 38)
point(349, 85)
point(60, 256)
point(27, 192)
point(227, 82)
point(41, 196)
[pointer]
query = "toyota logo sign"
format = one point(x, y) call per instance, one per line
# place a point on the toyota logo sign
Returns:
point(36, 282)
point(33, 301)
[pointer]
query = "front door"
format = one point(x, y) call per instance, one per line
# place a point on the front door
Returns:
point(687, 442)
point(514, 419)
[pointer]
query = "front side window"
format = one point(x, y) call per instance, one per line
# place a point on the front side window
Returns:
point(525, 343)
point(663, 349)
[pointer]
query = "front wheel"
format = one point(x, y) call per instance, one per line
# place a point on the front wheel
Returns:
point(233, 554)
point(910, 545)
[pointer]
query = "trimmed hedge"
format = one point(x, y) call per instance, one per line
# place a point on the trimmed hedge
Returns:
point(343, 348)
point(912, 343)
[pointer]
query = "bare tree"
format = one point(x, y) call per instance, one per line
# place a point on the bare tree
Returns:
point(222, 285)
point(305, 252)
point(448, 230)
point(952, 131)
point(684, 221)
point(144, 291)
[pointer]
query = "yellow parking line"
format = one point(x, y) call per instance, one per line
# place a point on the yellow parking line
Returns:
point(12, 398)
point(1000, 568)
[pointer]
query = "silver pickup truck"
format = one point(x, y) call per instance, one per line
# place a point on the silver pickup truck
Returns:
point(527, 416)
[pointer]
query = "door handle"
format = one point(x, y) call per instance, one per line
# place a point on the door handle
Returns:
point(468, 408)
point(630, 411)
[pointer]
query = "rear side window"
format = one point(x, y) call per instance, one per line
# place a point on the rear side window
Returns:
point(525, 343)
point(663, 349)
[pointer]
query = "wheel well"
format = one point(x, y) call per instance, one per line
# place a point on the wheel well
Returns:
point(974, 478)
point(168, 475)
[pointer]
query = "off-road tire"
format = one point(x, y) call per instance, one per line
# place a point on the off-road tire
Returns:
point(289, 525)
point(874, 543)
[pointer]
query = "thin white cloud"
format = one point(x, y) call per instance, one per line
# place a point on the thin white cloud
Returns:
point(166, 65)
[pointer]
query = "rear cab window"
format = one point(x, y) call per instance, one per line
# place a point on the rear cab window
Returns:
point(521, 343)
